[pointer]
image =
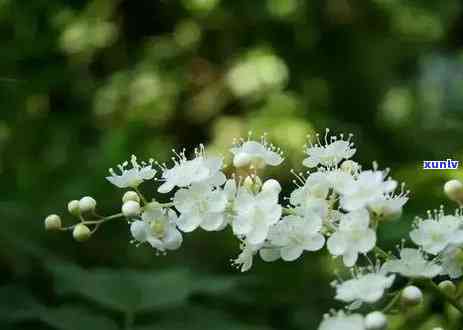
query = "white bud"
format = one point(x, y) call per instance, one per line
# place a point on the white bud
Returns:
point(454, 190)
point(131, 209)
point(74, 208)
point(87, 204)
point(81, 232)
point(131, 196)
point(448, 287)
point(375, 321)
point(242, 159)
point(412, 295)
point(53, 222)
point(271, 185)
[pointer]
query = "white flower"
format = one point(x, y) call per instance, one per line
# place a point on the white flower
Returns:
point(368, 188)
point(201, 169)
point(157, 227)
point(341, 321)
point(388, 208)
point(339, 180)
point(316, 186)
point(257, 154)
point(434, 235)
point(255, 214)
point(200, 205)
point(353, 236)
point(452, 262)
point(329, 154)
point(412, 263)
point(133, 177)
point(295, 234)
point(368, 288)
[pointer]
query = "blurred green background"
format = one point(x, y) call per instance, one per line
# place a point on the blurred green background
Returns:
point(84, 84)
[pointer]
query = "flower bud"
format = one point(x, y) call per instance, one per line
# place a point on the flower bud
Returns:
point(454, 190)
point(81, 232)
point(448, 287)
point(242, 160)
point(130, 209)
point(87, 204)
point(131, 196)
point(411, 296)
point(53, 222)
point(375, 321)
point(271, 185)
point(74, 208)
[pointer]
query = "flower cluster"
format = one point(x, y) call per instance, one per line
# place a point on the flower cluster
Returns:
point(334, 203)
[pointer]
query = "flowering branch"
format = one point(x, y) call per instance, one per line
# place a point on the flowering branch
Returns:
point(334, 203)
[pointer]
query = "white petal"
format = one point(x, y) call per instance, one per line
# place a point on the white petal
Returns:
point(165, 187)
point(258, 234)
point(117, 181)
point(270, 254)
point(367, 242)
point(290, 253)
point(173, 239)
point(350, 258)
point(139, 231)
point(188, 222)
point(314, 243)
point(212, 221)
point(337, 244)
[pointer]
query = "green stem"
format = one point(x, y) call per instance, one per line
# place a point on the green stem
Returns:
point(392, 303)
point(395, 299)
point(144, 200)
point(381, 252)
point(95, 222)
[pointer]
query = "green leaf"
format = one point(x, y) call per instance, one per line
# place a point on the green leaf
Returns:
point(135, 291)
point(75, 317)
point(199, 318)
point(18, 305)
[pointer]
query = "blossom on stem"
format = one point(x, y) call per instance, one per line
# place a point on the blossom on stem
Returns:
point(132, 177)
point(255, 213)
point(365, 288)
point(295, 234)
point(256, 154)
point(353, 236)
point(368, 187)
point(434, 235)
point(201, 169)
point(157, 227)
point(330, 153)
point(413, 264)
point(200, 205)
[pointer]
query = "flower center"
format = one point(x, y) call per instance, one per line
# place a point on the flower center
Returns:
point(158, 228)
